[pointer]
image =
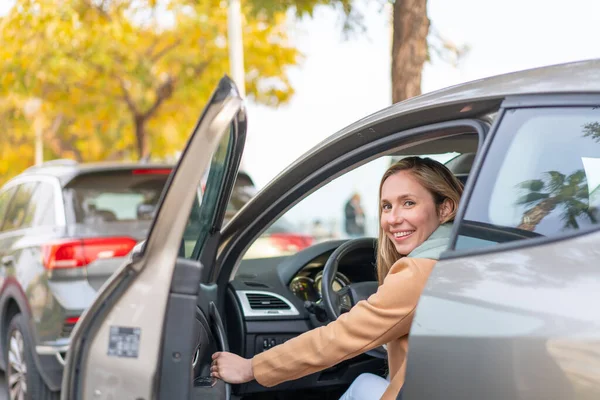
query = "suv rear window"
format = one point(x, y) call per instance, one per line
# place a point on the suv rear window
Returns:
point(116, 196)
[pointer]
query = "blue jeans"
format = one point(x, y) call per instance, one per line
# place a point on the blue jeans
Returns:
point(366, 387)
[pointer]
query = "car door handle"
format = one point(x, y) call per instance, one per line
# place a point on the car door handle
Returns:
point(7, 260)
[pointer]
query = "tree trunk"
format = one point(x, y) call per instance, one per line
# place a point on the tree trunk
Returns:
point(532, 217)
point(409, 47)
point(140, 136)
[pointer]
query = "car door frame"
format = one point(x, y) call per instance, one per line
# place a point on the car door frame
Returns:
point(259, 213)
point(242, 230)
point(153, 261)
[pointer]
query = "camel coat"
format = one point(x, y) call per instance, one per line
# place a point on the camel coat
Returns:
point(384, 318)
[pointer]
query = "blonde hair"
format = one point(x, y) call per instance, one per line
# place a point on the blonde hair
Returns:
point(433, 176)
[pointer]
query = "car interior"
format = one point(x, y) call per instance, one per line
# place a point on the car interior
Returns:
point(273, 299)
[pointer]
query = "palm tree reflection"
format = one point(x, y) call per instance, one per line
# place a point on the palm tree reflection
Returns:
point(556, 191)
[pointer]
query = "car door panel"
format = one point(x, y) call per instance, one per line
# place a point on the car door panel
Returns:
point(135, 300)
point(181, 332)
point(510, 325)
point(210, 325)
point(209, 318)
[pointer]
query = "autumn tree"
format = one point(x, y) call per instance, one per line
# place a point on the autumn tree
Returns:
point(125, 79)
point(16, 149)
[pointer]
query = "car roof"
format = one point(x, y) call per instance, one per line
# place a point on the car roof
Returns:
point(581, 77)
point(66, 170)
point(574, 77)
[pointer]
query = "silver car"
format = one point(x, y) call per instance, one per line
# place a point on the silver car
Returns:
point(510, 311)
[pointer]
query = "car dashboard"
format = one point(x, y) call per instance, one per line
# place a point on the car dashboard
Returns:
point(267, 305)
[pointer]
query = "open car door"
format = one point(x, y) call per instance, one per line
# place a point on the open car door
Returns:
point(152, 329)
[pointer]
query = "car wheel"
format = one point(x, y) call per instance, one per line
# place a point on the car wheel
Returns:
point(23, 379)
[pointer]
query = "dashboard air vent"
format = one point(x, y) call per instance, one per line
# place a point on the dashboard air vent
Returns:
point(266, 302)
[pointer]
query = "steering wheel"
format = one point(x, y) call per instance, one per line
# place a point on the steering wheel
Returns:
point(336, 303)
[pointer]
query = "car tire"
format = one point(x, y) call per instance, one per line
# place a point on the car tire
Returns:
point(19, 357)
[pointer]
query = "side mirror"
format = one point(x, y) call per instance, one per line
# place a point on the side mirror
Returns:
point(136, 252)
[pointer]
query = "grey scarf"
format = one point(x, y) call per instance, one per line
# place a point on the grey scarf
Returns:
point(435, 245)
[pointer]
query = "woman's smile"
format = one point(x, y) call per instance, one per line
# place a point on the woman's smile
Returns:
point(401, 235)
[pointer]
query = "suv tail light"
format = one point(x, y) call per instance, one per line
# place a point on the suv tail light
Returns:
point(68, 326)
point(78, 253)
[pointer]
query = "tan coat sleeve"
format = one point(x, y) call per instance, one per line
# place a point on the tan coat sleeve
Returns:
point(384, 316)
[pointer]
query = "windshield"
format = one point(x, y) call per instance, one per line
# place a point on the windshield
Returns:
point(346, 207)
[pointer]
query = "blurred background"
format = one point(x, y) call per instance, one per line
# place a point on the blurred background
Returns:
point(123, 82)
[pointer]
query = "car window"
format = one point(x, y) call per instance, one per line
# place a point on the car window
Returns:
point(17, 216)
point(209, 191)
point(42, 207)
point(129, 195)
point(346, 207)
point(541, 178)
point(5, 198)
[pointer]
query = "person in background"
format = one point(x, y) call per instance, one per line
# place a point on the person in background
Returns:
point(354, 217)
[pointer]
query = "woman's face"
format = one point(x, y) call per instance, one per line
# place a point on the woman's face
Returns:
point(408, 212)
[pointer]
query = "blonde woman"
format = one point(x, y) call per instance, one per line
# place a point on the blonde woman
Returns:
point(418, 202)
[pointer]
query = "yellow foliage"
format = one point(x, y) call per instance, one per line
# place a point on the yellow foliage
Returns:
point(103, 69)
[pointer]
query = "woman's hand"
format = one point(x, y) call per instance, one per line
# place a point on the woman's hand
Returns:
point(231, 368)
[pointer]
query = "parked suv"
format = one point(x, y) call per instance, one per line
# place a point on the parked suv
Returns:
point(64, 229)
